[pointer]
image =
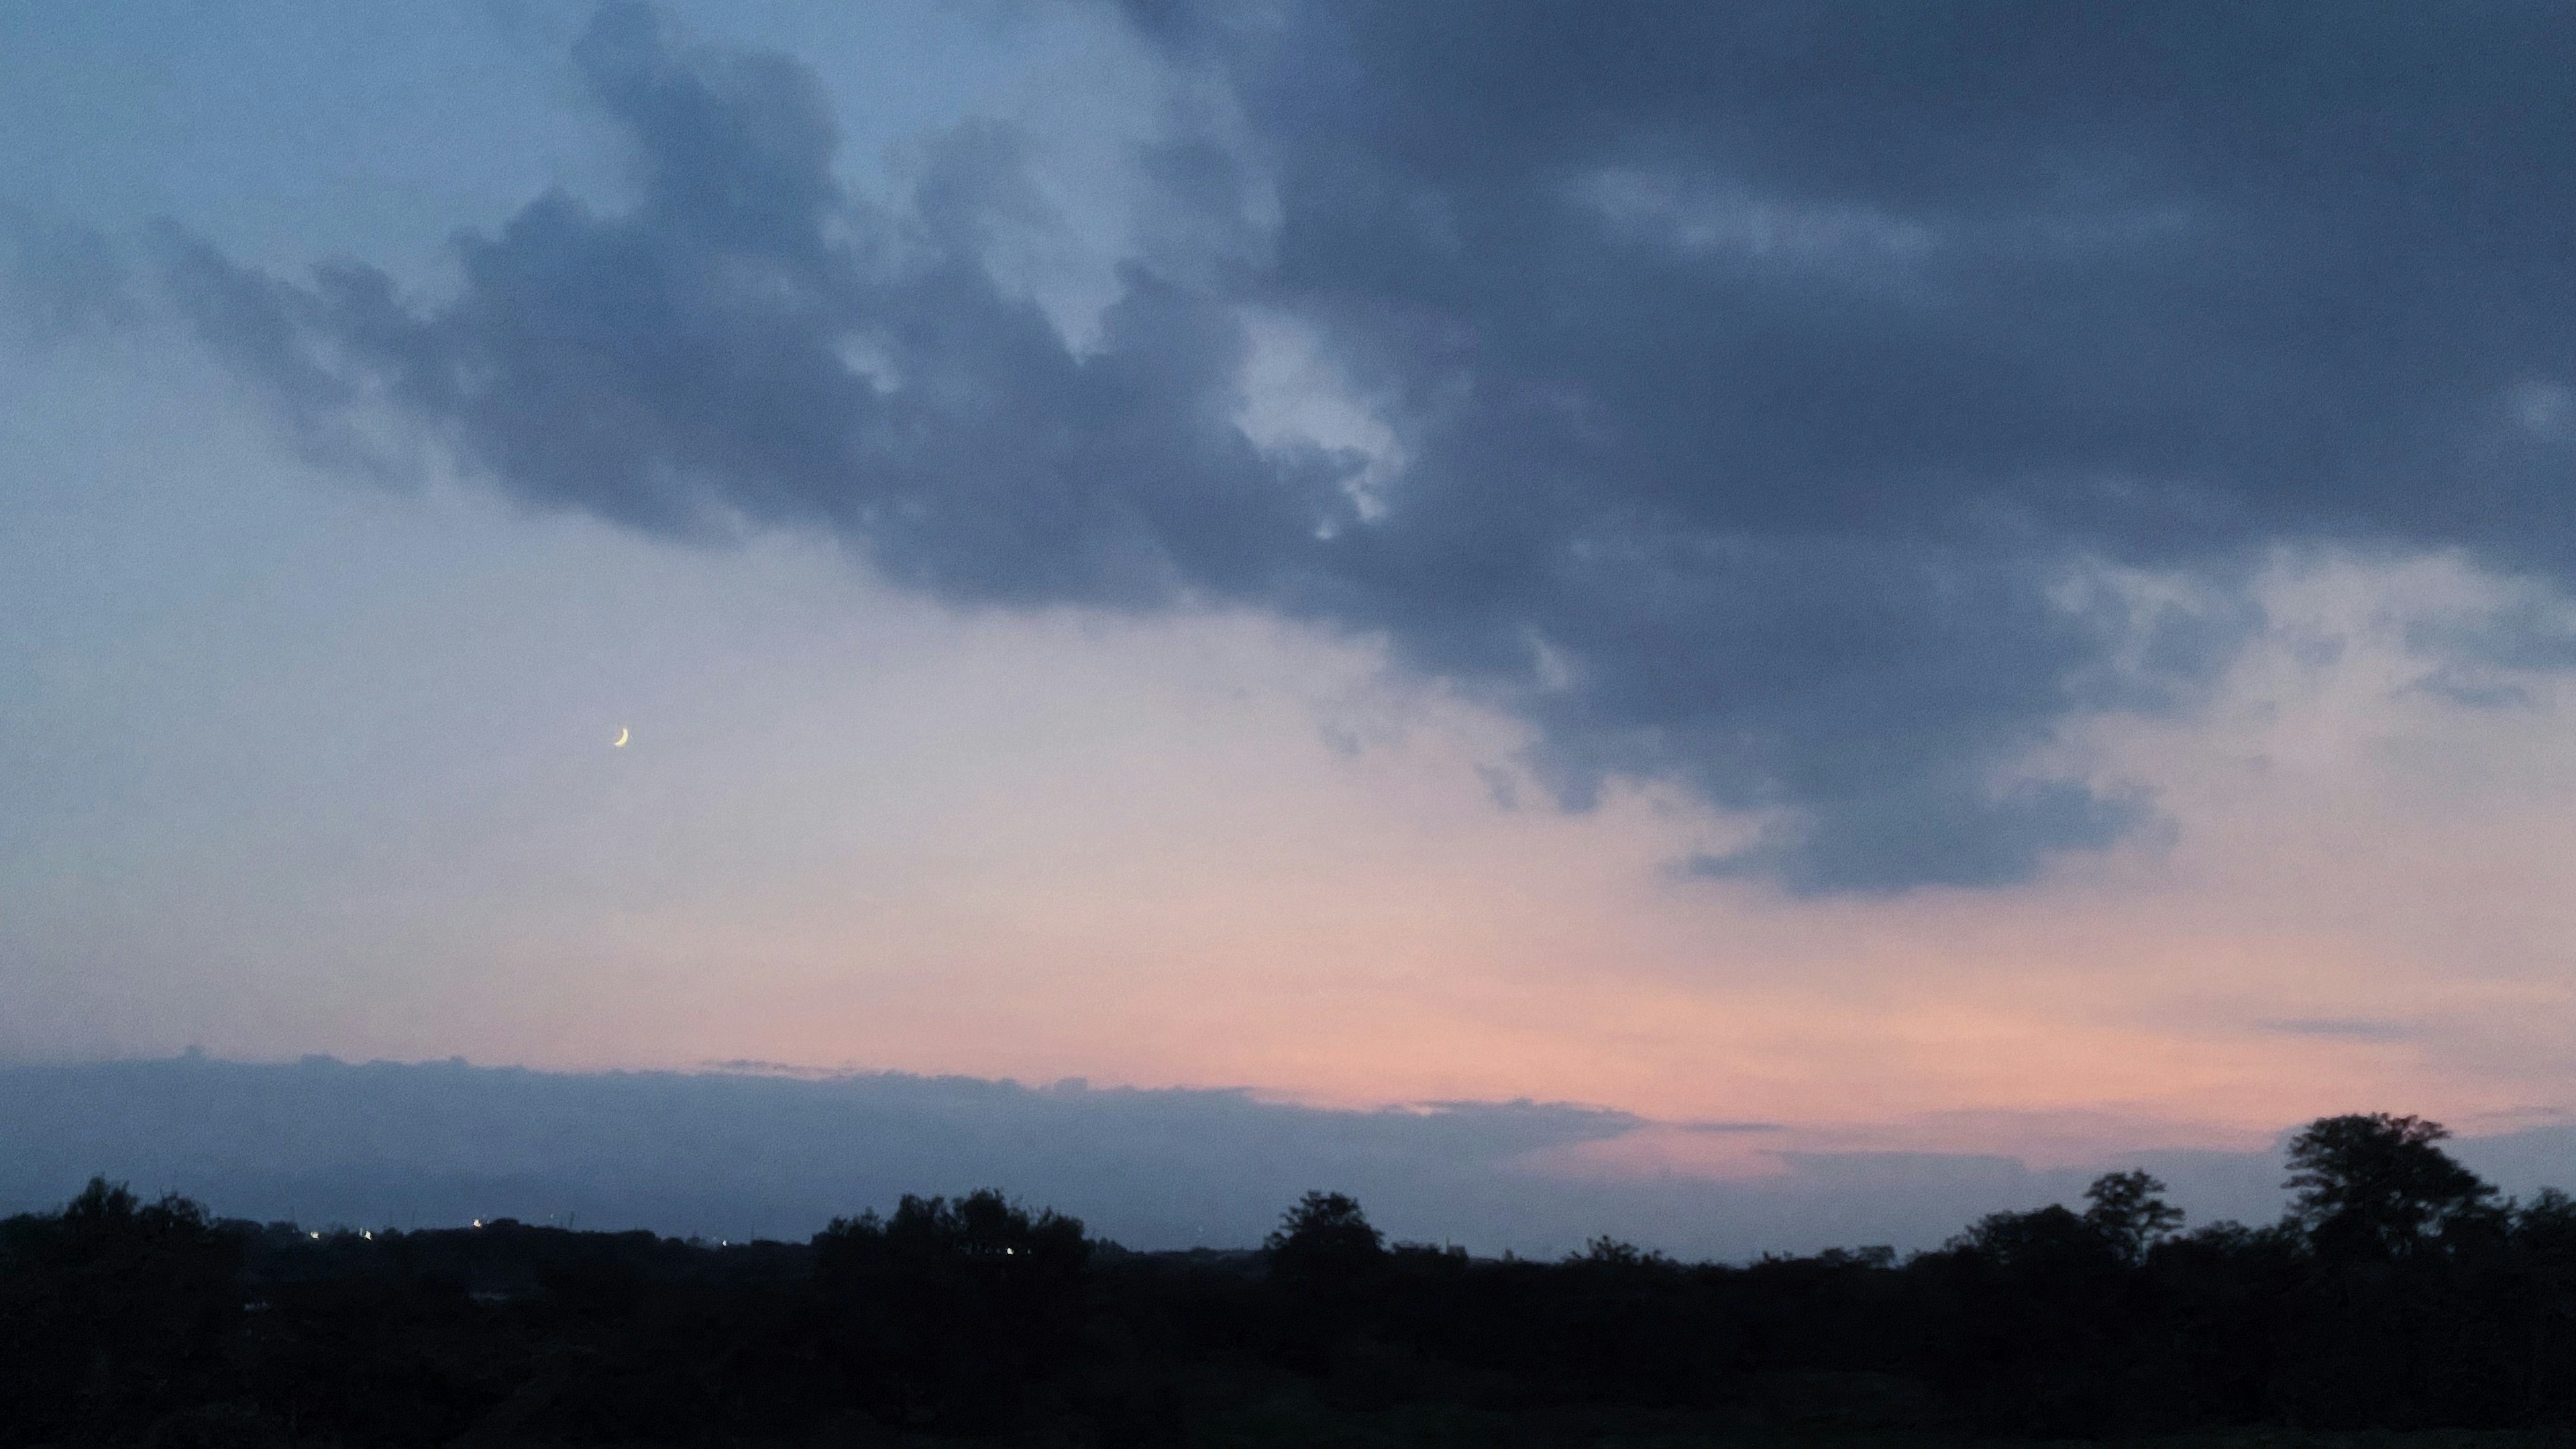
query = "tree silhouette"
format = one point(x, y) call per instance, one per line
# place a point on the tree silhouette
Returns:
point(945, 1313)
point(111, 1307)
point(2130, 1213)
point(2373, 1185)
point(1324, 1237)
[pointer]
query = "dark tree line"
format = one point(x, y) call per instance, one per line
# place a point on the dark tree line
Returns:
point(2398, 1293)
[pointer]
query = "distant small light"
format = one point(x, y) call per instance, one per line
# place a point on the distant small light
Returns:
point(478, 1222)
point(317, 1237)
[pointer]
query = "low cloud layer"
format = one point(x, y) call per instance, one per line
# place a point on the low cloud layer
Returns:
point(738, 1154)
point(1763, 397)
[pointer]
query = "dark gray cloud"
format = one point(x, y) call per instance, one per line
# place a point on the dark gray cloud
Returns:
point(728, 1153)
point(734, 1154)
point(1765, 376)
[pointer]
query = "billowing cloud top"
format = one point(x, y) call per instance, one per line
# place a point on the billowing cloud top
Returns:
point(1764, 397)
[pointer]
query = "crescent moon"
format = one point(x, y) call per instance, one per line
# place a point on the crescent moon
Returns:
point(621, 740)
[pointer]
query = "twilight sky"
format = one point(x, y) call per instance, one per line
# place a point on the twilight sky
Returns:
point(1966, 578)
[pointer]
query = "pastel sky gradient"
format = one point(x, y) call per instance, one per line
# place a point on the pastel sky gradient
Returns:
point(2118, 825)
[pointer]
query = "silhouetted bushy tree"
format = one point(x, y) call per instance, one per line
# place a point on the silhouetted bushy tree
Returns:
point(1325, 1238)
point(1323, 1264)
point(2374, 1185)
point(2129, 1213)
point(945, 1314)
point(113, 1312)
point(2040, 1306)
point(2408, 1315)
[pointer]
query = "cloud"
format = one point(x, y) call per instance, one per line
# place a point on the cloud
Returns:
point(736, 1154)
point(727, 1154)
point(1751, 397)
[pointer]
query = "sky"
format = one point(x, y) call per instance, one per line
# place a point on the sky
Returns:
point(1984, 579)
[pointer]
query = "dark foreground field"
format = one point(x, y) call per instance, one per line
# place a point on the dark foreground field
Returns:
point(2398, 1304)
